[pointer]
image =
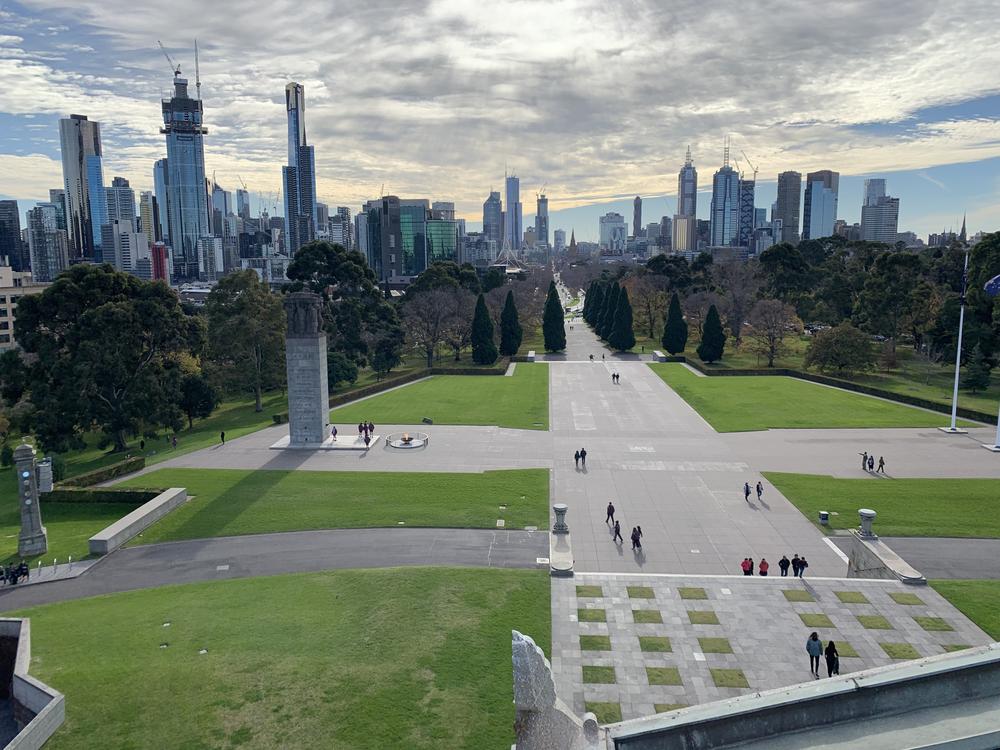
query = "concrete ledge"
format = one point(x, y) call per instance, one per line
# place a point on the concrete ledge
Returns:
point(114, 536)
point(870, 557)
point(659, 356)
point(38, 709)
point(560, 555)
point(531, 356)
point(342, 443)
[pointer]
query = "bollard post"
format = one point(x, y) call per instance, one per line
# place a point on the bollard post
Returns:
point(560, 526)
point(867, 516)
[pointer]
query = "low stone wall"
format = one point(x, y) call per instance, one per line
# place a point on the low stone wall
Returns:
point(38, 709)
point(114, 536)
point(870, 557)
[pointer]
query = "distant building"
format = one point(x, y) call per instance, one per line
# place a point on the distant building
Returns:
point(879, 214)
point(652, 231)
point(149, 216)
point(344, 214)
point(528, 241)
point(160, 260)
point(123, 246)
point(160, 191)
point(211, 258)
point(850, 232)
point(512, 218)
point(15, 284)
point(243, 204)
point(687, 188)
point(542, 220)
point(57, 197)
point(684, 234)
point(300, 174)
point(322, 218)
point(559, 240)
point(441, 240)
point(613, 232)
point(725, 208)
point(48, 245)
point(820, 204)
point(493, 218)
point(121, 201)
point(748, 214)
point(11, 247)
point(637, 228)
point(83, 182)
point(443, 210)
point(788, 203)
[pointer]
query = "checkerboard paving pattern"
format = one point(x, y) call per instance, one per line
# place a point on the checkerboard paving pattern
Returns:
point(661, 656)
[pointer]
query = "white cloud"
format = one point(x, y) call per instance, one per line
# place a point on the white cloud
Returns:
point(33, 175)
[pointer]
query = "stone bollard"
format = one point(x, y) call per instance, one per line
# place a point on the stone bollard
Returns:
point(867, 516)
point(824, 517)
point(560, 526)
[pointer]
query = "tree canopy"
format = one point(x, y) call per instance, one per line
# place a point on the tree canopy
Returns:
point(713, 338)
point(553, 324)
point(510, 328)
point(675, 331)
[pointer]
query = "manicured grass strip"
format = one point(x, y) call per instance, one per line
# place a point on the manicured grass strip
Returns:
point(654, 643)
point(814, 620)
point(589, 592)
point(647, 615)
point(598, 675)
point(663, 676)
point(520, 401)
point(231, 502)
point(282, 667)
point(852, 597)
point(977, 600)
point(662, 708)
point(900, 651)
point(874, 622)
point(591, 615)
point(703, 617)
point(692, 592)
point(640, 592)
point(798, 595)
point(950, 647)
point(729, 678)
point(715, 646)
point(595, 643)
point(906, 598)
point(906, 507)
point(933, 623)
point(606, 713)
point(846, 650)
point(740, 403)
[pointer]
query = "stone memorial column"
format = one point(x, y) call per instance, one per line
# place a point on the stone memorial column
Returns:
point(33, 540)
point(305, 359)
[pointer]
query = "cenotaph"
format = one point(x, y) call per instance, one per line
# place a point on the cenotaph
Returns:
point(34, 539)
point(305, 359)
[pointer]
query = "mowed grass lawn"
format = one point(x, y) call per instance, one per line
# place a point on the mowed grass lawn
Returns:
point(905, 507)
point(977, 600)
point(395, 658)
point(742, 403)
point(231, 502)
point(520, 401)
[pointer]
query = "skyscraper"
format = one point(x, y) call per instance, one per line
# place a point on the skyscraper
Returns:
point(187, 198)
point(344, 213)
point(149, 216)
point(11, 246)
point(687, 188)
point(747, 213)
point(559, 240)
point(299, 175)
point(121, 201)
point(243, 204)
point(879, 214)
point(613, 233)
point(820, 209)
point(725, 214)
point(160, 191)
point(637, 228)
point(787, 212)
point(443, 210)
point(542, 220)
point(47, 243)
point(493, 218)
point(512, 218)
point(80, 143)
point(57, 197)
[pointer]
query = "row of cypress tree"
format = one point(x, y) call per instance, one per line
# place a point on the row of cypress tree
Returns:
point(484, 348)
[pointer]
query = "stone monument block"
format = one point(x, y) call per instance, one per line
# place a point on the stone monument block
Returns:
point(305, 359)
point(33, 539)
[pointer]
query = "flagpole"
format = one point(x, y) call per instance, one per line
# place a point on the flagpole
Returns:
point(992, 288)
point(952, 429)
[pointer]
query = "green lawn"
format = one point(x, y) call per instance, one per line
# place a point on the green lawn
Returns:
point(409, 657)
point(742, 403)
point(977, 600)
point(520, 401)
point(905, 507)
point(228, 502)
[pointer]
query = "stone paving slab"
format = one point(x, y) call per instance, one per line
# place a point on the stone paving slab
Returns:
point(760, 625)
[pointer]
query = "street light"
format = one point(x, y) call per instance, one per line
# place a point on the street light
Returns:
point(992, 289)
point(958, 350)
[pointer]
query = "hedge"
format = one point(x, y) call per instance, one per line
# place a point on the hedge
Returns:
point(105, 473)
point(99, 495)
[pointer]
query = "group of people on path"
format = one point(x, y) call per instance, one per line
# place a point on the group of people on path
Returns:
point(580, 457)
point(797, 564)
point(636, 535)
point(13, 573)
point(814, 647)
point(616, 378)
point(366, 432)
point(868, 463)
point(747, 491)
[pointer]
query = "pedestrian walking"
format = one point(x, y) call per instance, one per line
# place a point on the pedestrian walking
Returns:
point(881, 464)
point(760, 491)
point(583, 457)
point(750, 560)
point(173, 441)
point(795, 566)
point(814, 647)
point(832, 659)
point(639, 529)
point(864, 461)
point(746, 491)
point(745, 566)
point(783, 566)
point(611, 513)
point(636, 539)
point(333, 432)
point(618, 533)
point(361, 429)
point(142, 445)
point(368, 439)
point(371, 428)
point(803, 564)
point(222, 437)
point(763, 567)
point(871, 463)
point(576, 459)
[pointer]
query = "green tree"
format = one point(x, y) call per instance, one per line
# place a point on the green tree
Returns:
point(553, 324)
point(484, 350)
point(713, 338)
point(675, 331)
point(886, 305)
point(246, 335)
point(674, 268)
point(510, 328)
point(610, 307)
point(105, 347)
point(622, 337)
point(493, 279)
point(13, 377)
point(977, 371)
point(198, 397)
point(842, 349)
point(588, 300)
point(445, 274)
point(595, 300)
point(339, 369)
point(785, 273)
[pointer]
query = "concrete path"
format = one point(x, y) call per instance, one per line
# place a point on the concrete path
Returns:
point(944, 557)
point(154, 565)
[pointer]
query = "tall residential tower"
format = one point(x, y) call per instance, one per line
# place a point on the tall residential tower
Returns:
point(300, 174)
point(83, 180)
point(820, 204)
point(787, 206)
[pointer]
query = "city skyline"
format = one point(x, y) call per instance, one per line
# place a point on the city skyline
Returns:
point(558, 130)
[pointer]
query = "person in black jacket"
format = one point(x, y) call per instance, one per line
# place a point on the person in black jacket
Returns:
point(832, 660)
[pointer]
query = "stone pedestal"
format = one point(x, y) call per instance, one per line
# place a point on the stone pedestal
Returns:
point(560, 527)
point(867, 516)
point(305, 359)
point(33, 539)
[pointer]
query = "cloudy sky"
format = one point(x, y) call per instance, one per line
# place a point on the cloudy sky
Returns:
point(596, 100)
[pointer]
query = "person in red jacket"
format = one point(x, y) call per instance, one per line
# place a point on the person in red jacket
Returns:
point(745, 565)
point(764, 565)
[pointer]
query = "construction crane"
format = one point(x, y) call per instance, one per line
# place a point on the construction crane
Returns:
point(243, 183)
point(752, 166)
point(173, 66)
point(197, 71)
point(541, 190)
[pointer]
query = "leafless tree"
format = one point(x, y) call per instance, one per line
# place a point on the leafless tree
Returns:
point(696, 307)
point(458, 326)
point(737, 283)
point(425, 319)
point(649, 301)
point(772, 321)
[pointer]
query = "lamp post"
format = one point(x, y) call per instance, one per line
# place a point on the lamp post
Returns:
point(952, 429)
point(992, 289)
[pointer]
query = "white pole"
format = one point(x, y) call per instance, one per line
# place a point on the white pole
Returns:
point(958, 349)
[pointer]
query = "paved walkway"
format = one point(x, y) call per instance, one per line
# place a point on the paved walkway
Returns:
point(150, 566)
point(944, 557)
